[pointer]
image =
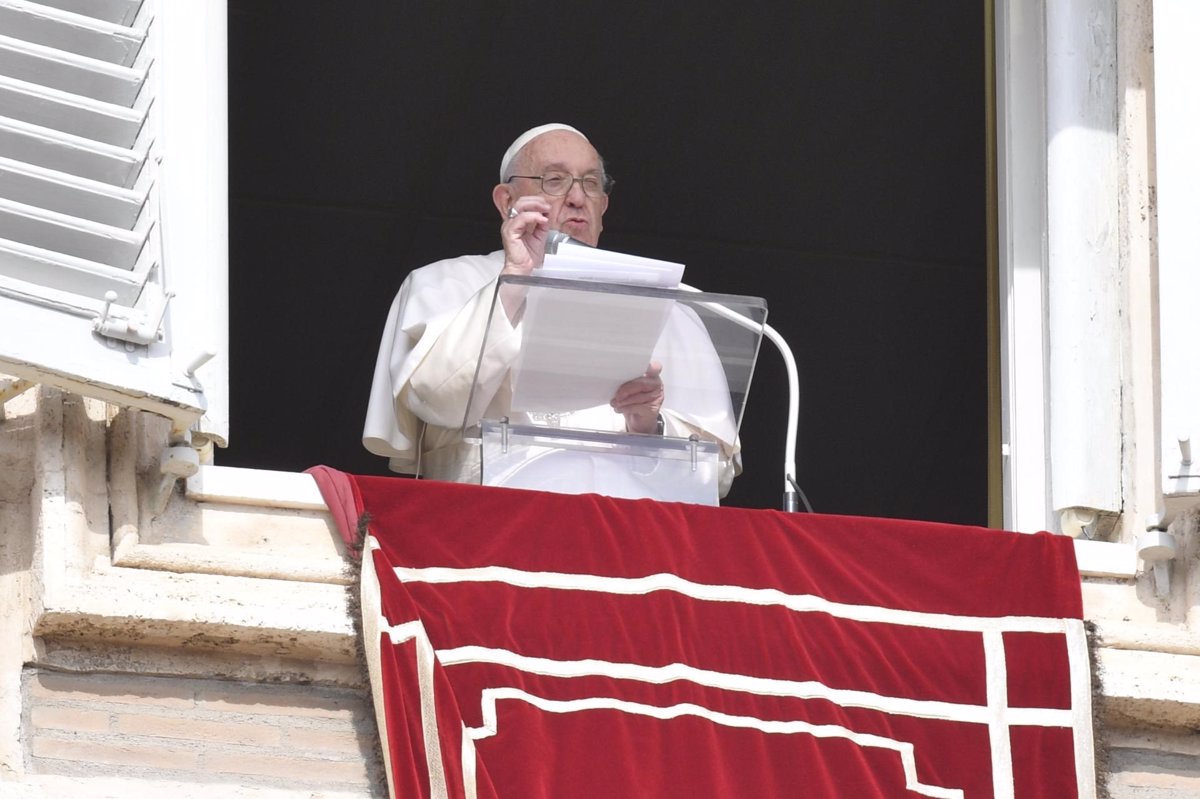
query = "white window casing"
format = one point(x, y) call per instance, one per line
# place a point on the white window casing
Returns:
point(1177, 175)
point(113, 203)
point(1021, 203)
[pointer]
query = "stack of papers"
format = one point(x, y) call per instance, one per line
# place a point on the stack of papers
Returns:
point(579, 347)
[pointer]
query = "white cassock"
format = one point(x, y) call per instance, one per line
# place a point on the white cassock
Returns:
point(427, 362)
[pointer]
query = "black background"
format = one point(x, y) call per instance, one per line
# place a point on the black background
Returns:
point(827, 156)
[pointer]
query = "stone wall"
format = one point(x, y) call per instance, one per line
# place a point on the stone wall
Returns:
point(305, 739)
point(1153, 764)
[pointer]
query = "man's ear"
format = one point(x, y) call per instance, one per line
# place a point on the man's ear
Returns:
point(503, 199)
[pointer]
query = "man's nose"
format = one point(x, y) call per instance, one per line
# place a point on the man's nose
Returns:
point(576, 195)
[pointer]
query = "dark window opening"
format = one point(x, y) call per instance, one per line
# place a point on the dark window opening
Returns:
point(828, 157)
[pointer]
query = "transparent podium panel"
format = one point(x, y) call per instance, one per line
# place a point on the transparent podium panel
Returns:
point(556, 352)
point(569, 461)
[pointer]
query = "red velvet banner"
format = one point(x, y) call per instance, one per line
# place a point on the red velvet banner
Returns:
point(542, 645)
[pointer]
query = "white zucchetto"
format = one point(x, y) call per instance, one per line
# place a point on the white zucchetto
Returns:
point(527, 137)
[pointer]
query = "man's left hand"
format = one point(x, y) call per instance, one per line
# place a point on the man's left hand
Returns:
point(640, 400)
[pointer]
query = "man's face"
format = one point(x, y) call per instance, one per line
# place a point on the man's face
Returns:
point(574, 213)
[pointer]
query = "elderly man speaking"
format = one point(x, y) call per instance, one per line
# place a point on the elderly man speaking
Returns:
point(551, 178)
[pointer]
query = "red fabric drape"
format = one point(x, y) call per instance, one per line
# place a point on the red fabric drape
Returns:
point(585, 646)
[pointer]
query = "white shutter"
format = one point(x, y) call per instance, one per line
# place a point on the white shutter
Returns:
point(113, 221)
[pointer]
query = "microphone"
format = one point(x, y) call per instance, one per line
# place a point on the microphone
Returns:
point(558, 238)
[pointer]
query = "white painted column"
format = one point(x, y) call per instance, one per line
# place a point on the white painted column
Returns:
point(1083, 244)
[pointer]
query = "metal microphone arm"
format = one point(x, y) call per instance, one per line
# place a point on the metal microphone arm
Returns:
point(790, 491)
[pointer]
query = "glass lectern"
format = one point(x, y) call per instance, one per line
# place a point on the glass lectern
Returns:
point(539, 407)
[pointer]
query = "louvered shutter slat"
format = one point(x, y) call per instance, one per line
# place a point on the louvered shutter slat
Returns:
point(65, 275)
point(68, 72)
point(70, 113)
point(64, 152)
point(71, 32)
point(81, 238)
point(120, 12)
point(86, 199)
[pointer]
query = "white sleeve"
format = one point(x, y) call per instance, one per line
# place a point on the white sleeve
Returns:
point(430, 301)
point(439, 387)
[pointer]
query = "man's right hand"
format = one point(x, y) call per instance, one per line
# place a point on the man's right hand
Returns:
point(524, 235)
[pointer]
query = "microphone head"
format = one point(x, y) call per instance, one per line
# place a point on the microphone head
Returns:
point(558, 238)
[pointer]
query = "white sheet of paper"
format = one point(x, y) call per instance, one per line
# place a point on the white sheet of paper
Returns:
point(580, 262)
point(577, 347)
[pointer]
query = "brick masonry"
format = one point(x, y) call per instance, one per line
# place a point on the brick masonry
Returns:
point(296, 737)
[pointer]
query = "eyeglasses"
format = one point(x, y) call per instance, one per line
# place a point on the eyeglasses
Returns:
point(556, 184)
